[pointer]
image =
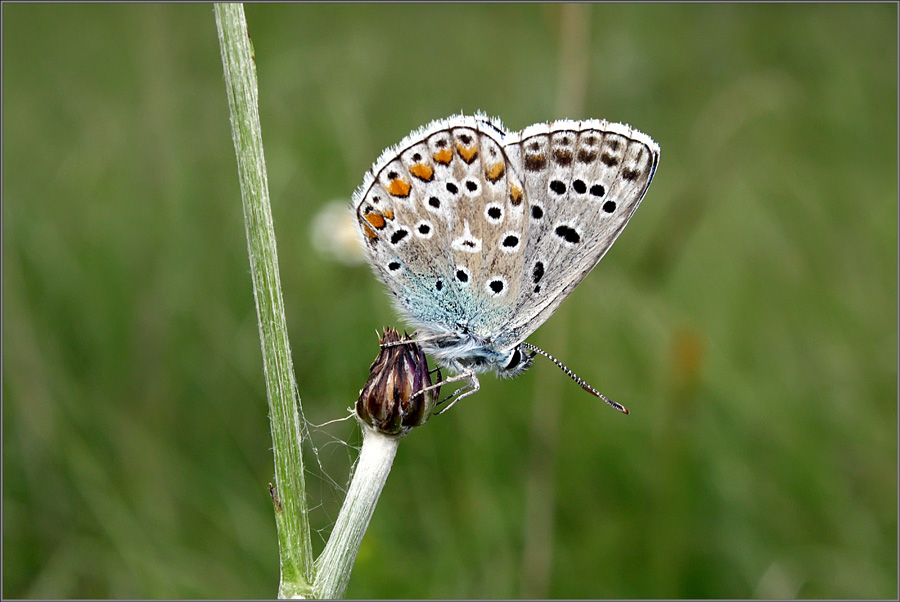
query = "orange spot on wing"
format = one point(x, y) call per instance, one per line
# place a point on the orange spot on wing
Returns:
point(495, 172)
point(369, 231)
point(443, 156)
point(389, 213)
point(422, 171)
point(515, 195)
point(468, 153)
point(399, 187)
point(376, 220)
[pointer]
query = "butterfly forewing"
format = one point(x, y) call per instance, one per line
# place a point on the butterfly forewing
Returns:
point(583, 182)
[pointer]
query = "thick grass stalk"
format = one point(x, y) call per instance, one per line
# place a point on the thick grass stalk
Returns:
point(291, 514)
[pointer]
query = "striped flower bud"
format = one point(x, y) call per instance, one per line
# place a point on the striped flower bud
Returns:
point(390, 401)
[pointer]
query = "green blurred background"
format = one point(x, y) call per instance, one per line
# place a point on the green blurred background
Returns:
point(746, 317)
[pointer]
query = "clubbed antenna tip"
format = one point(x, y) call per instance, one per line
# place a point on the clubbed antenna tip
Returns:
point(576, 378)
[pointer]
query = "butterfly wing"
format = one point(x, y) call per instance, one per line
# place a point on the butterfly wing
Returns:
point(583, 182)
point(442, 217)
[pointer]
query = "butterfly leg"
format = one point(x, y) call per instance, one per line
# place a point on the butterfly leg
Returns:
point(467, 375)
point(472, 386)
point(413, 340)
point(469, 389)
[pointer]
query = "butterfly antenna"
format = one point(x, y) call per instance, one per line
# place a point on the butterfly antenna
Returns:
point(576, 378)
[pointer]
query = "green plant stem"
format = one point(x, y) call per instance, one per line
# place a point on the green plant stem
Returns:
point(291, 514)
point(334, 565)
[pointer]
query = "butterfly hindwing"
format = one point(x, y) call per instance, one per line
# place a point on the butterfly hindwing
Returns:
point(488, 234)
point(397, 226)
point(433, 213)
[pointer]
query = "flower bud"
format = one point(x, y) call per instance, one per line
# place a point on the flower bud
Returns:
point(390, 401)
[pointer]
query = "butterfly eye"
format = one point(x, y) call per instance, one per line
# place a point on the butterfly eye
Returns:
point(514, 360)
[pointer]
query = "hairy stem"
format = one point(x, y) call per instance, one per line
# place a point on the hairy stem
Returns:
point(336, 562)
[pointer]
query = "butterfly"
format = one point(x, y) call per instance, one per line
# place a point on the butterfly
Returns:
point(480, 233)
